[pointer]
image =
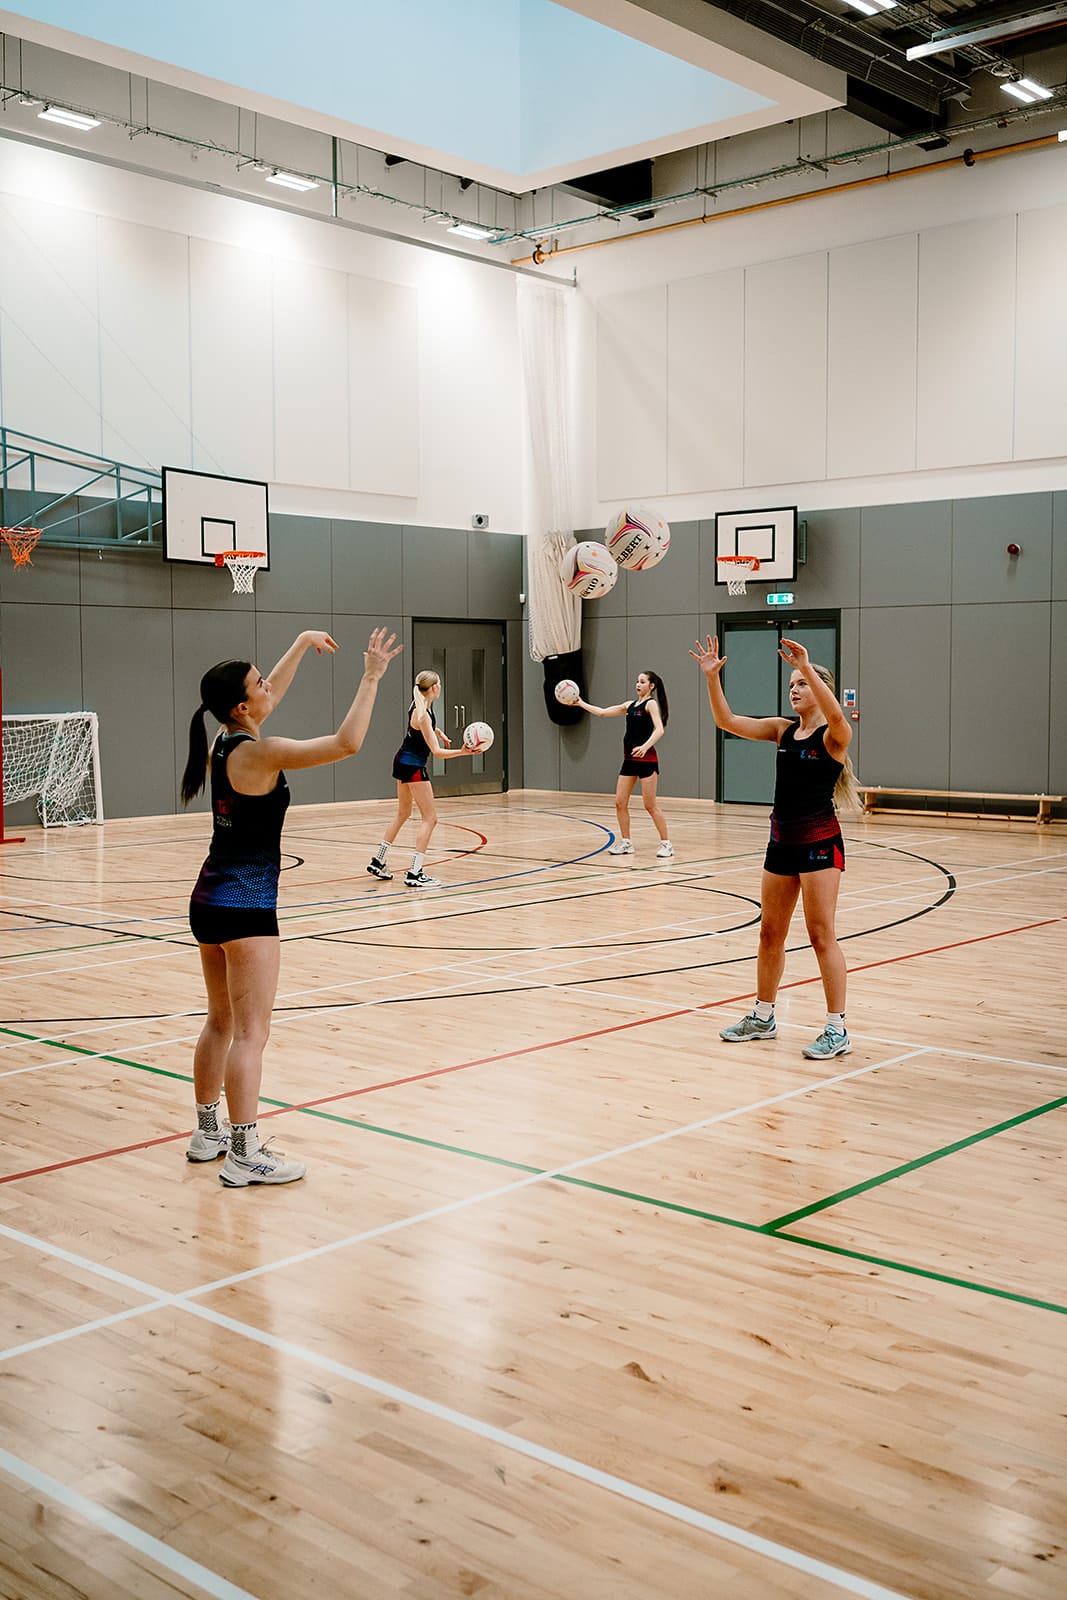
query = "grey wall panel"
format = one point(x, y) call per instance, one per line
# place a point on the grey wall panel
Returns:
point(53, 578)
point(831, 574)
point(1000, 708)
point(982, 569)
point(707, 593)
point(671, 587)
point(300, 568)
point(127, 667)
point(706, 732)
point(516, 650)
point(435, 572)
point(207, 588)
point(906, 554)
point(591, 751)
point(661, 645)
point(542, 740)
point(124, 578)
point(369, 775)
point(849, 642)
point(1059, 546)
point(367, 568)
point(495, 581)
point(1057, 773)
point(42, 658)
point(308, 707)
point(905, 659)
point(200, 639)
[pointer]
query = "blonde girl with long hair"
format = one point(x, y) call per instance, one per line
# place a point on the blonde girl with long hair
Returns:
point(806, 853)
point(422, 739)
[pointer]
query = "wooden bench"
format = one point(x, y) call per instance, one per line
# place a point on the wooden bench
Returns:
point(873, 800)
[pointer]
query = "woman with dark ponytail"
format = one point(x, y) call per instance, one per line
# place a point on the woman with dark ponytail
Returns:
point(233, 909)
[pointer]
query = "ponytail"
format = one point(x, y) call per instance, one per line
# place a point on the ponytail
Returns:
point(424, 681)
point(659, 694)
point(846, 795)
point(221, 688)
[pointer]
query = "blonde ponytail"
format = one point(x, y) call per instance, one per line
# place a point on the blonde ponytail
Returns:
point(846, 794)
point(424, 681)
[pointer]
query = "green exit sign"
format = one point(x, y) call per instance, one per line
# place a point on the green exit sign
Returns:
point(785, 599)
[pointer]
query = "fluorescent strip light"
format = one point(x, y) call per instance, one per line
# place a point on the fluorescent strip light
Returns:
point(470, 230)
point(1042, 16)
point(861, 5)
point(289, 180)
point(1038, 90)
point(68, 119)
point(1019, 93)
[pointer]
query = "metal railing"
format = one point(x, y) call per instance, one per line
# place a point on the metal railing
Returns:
point(42, 483)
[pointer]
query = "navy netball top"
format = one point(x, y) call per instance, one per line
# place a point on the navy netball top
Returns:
point(639, 729)
point(415, 752)
point(804, 778)
point(244, 860)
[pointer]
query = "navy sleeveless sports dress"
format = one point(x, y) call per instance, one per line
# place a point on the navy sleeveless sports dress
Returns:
point(639, 729)
point(409, 763)
point(236, 894)
point(805, 832)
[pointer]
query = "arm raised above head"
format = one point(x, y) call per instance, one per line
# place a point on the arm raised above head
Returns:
point(711, 663)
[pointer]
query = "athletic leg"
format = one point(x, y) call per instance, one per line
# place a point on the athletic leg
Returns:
point(623, 844)
point(252, 974)
point(211, 1137)
point(778, 898)
point(649, 795)
point(820, 891)
point(417, 878)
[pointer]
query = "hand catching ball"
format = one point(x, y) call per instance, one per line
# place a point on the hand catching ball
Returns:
point(567, 692)
point(478, 737)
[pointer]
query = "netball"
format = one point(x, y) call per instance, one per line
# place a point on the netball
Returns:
point(567, 692)
point(589, 570)
point(638, 538)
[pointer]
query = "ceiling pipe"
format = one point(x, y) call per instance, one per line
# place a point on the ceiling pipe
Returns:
point(968, 159)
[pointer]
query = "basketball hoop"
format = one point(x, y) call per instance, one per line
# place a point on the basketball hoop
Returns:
point(21, 542)
point(243, 566)
point(737, 570)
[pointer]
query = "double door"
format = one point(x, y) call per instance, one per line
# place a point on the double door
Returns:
point(756, 683)
point(469, 658)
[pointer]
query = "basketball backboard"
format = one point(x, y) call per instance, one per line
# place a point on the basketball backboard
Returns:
point(769, 535)
point(204, 515)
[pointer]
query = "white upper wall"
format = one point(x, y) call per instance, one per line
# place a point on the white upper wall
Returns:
point(159, 325)
point(901, 342)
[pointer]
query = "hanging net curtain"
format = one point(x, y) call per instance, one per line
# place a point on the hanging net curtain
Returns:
point(555, 613)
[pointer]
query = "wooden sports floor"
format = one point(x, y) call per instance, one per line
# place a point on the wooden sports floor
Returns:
point(576, 1300)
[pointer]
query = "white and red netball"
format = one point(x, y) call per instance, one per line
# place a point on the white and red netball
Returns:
point(589, 570)
point(478, 737)
point(637, 537)
point(567, 692)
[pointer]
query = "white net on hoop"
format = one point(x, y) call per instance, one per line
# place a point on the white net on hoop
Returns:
point(243, 566)
point(56, 759)
point(737, 574)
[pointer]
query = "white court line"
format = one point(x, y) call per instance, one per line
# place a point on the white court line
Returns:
point(128, 1533)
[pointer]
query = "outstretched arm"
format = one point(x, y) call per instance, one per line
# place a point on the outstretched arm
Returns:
point(284, 671)
point(259, 760)
point(433, 739)
point(711, 663)
point(603, 711)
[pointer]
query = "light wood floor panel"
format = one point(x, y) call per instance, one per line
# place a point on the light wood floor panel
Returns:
point(841, 1397)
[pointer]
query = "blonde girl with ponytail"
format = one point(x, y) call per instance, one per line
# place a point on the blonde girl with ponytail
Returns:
point(805, 857)
point(422, 740)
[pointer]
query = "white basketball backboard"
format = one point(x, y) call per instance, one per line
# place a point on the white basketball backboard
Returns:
point(769, 535)
point(204, 515)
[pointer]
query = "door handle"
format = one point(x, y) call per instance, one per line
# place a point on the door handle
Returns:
point(463, 714)
point(455, 715)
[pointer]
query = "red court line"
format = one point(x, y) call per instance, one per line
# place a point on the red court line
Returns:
point(529, 1049)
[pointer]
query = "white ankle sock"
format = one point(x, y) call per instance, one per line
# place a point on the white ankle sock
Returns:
point(836, 1019)
point(416, 862)
point(764, 1010)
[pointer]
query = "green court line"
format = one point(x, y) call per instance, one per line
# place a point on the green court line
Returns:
point(767, 1230)
point(911, 1166)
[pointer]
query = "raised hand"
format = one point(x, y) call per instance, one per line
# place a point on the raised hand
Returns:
point(379, 653)
point(320, 641)
point(707, 657)
point(795, 654)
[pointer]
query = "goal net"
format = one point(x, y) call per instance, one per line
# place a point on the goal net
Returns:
point(55, 757)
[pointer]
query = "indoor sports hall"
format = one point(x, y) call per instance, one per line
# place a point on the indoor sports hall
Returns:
point(616, 362)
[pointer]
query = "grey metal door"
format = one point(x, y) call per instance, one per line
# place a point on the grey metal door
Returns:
point(469, 659)
point(756, 683)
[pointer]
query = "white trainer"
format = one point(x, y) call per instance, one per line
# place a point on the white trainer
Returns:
point(262, 1166)
point(621, 847)
point(208, 1146)
point(666, 849)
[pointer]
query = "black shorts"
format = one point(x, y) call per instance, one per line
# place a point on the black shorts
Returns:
point(791, 860)
point(632, 768)
point(220, 924)
point(408, 774)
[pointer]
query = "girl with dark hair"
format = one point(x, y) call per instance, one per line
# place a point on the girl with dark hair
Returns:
point(806, 854)
point(233, 909)
point(646, 719)
point(422, 739)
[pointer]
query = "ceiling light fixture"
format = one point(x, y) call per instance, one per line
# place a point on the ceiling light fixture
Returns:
point(470, 230)
point(289, 180)
point(872, 8)
point(1026, 90)
point(68, 119)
